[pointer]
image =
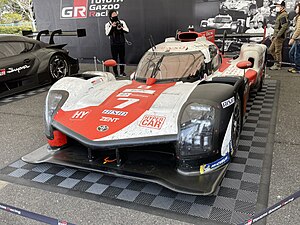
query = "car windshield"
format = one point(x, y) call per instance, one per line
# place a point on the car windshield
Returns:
point(222, 20)
point(166, 65)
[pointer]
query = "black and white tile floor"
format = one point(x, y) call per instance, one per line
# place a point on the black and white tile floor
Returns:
point(234, 202)
point(27, 94)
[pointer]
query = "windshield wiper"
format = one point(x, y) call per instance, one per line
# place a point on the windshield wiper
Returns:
point(156, 68)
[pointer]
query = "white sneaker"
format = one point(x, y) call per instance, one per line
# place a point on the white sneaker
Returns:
point(275, 67)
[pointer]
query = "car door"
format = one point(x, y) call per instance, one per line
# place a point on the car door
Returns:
point(16, 61)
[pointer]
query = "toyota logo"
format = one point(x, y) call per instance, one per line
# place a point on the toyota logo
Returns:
point(102, 128)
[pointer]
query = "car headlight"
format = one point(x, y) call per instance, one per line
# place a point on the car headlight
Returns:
point(196, 131)
point(54, 101)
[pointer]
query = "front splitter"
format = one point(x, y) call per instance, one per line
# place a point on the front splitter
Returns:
point(160, 172)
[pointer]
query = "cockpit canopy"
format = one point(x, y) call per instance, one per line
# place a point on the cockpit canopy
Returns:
point(170, 65)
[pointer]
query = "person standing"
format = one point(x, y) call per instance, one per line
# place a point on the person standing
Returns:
point(294, 52)
point(251, 30)
point(280, 28)
point(115, 29)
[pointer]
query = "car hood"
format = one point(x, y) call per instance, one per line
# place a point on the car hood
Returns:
point(124, 109)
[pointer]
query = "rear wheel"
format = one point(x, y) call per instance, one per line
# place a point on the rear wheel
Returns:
point(58, 67)
point(236, 124)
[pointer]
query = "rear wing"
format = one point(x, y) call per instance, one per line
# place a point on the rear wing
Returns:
point(51, 34)
point(193, 35)
point(211, 36)
point(225, 36)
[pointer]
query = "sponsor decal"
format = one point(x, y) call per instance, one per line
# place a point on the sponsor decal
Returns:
point(80, 115)
point(18, 69)
point(107, 160)
point(109, 119)
point(114, 112)
point(103, 128)
point(2, 72)
point(227, 102)
point(214, 165)
point(99, 80)
point(143, 91)
point(122, 94)
point(80, 9)
point(155, 122)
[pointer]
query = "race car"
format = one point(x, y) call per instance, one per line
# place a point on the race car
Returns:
point(222, 23)
point(176, 123)
point(236, 6)
point(26, 63)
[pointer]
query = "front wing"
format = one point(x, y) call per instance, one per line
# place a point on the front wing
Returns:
point(160, 171)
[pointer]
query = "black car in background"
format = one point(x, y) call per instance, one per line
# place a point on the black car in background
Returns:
point(26, 63)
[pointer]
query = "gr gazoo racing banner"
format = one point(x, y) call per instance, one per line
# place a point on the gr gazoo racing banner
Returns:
point(80, 9)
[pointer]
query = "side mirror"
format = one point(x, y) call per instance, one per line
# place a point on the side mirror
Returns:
point(110, 63)
point(244, 65)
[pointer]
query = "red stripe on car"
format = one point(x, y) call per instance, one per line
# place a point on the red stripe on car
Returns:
point(119, 110)
point(225, 64)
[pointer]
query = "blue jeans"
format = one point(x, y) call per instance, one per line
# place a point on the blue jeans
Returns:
point(294, 54)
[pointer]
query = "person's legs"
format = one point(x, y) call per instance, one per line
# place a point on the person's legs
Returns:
point(278, 50)
point(292, 56)
point(271, 51)
point(297, 55)
point(122, 59)
point(114, 53)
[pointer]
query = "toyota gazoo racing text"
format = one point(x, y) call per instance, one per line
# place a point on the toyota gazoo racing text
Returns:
point(177, 122)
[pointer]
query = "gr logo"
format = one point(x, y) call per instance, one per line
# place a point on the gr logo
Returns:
point(73, 9)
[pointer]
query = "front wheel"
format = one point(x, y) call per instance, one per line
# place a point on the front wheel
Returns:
point(58, 67)
point(236, 124)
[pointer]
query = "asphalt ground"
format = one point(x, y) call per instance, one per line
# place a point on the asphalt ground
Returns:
point(21, 132)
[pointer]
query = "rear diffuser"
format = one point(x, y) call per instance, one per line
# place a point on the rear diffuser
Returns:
point(159, 171)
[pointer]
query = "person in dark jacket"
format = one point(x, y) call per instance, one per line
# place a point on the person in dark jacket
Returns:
point(116, 29)
point(280, 28)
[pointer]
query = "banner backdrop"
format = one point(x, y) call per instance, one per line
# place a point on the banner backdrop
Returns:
point(145, 18)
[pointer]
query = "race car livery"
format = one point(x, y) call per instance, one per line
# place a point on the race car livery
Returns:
point(177, 122)
point(26, 63)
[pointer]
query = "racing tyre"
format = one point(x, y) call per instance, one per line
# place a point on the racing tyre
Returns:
point(58, 67)
point(236, 124)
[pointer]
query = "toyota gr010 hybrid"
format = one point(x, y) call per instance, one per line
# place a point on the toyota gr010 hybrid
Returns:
point(26, 63)
point(176, 123)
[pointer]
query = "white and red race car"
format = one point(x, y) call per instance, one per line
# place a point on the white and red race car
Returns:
point(176, 123)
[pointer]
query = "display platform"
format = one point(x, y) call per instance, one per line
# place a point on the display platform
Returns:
point(241, 193)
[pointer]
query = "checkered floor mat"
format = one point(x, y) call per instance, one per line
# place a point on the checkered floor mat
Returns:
point(27, 94)
point(234, 201)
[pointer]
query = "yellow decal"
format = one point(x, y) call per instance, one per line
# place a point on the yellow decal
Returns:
point(107, 160)
point(202, 169)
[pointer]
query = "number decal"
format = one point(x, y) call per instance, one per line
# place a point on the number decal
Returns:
point(128, 101)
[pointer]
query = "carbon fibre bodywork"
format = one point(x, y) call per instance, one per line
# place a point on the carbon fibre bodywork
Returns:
point(25, 63)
